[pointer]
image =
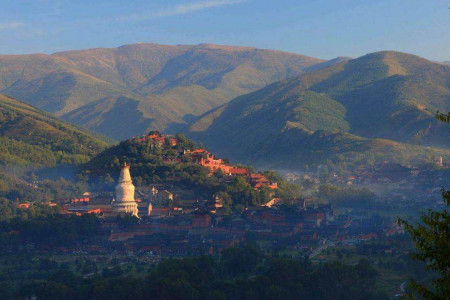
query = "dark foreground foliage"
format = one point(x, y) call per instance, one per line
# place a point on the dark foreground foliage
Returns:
point(432, 240)
point(238, 273)
point(46, 229)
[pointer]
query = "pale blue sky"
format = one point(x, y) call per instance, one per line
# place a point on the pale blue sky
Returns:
point(319, 28)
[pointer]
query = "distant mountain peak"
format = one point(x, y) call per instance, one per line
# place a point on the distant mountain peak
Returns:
point(379, 102)
point(164, 86)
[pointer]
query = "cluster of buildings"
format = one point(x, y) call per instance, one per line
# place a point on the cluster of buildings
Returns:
point(422, 179)
point(394, 173)
point(156, 202)
point(304, 229)
point(172, 226)
point(123, 203)
point(205, 159)
point(396, 181)
point(158, 140)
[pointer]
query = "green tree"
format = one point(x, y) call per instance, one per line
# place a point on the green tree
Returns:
point(431, 238)
point(443, 117)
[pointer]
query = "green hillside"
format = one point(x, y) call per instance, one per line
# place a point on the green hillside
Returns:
point(30, 136)
point(164, 86)
point(372, 106)
point(32, 141)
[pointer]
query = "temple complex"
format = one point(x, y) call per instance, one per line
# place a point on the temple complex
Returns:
point(124, 201)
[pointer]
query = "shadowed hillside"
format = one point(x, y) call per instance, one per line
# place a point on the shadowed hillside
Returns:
point(373, 104)
point(163, 86)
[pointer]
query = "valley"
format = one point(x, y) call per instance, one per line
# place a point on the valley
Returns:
point(116, 161)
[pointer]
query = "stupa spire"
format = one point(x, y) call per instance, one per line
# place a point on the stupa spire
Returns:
point(124, 202)
point(125, 176)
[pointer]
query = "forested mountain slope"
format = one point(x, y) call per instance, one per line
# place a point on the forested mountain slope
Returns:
point(373, 104)
point(145, 86)
point(29, 136)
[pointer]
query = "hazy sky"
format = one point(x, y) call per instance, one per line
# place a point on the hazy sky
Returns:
point(319, 28)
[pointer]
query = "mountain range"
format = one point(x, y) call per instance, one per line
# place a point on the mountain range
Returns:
point(262, 107)
point(381, 105)
point(124, 91)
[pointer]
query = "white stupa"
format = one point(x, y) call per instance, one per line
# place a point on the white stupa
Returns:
point(124, 202)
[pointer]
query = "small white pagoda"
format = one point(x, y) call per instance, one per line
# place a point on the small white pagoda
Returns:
point(124, 201)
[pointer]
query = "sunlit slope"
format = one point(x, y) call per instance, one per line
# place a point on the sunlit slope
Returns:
point(171, 84)
point(31, 137)
point(372, 104)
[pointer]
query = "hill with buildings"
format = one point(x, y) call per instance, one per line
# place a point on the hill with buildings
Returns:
point(379, 106)
point(143, 86)
point(176, 162)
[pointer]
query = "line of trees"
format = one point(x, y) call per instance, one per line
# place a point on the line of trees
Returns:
point(238, 273)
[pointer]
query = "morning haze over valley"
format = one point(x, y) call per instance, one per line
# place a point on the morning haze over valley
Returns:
point(311, 165)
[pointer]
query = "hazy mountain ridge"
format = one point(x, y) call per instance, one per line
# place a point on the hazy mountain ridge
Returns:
point(170, 84)
point(363, 103)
